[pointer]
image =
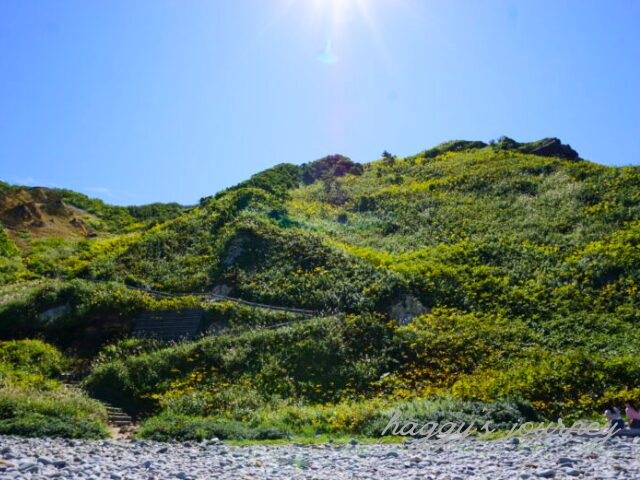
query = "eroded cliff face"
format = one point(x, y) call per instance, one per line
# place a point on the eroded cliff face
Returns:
point(42, 213)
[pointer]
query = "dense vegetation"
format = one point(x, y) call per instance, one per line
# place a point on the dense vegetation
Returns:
point(524, 259)
point(33, 403)
point(10, 261)
point(116, 218)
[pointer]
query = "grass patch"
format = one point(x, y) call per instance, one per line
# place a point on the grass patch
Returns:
point(320, 423)
point(34, 404)
point(57, 412)
point(168, 427)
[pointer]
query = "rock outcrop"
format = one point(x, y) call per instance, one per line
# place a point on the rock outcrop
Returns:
point(406, 308)
point(42, 213)
point(553, 147)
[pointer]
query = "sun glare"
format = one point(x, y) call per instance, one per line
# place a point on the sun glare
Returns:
point(335, 19)
point(337, 9)
point(337, 14)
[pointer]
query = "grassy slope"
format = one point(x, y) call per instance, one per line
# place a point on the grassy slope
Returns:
point(34, 403)
point(55, 231)
point(529, 266)
point(483, 230)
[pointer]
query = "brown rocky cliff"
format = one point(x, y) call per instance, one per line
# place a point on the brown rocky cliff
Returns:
point(42, 212)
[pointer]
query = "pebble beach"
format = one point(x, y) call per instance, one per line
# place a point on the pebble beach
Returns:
point(549, 456)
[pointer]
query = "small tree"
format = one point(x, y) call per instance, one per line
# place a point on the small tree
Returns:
point(388, 158)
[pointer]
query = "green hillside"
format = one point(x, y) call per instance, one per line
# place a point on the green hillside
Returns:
point(518, 265)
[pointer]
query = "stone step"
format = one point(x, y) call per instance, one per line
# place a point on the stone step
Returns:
point(120, 416)
point(116, 416)
point(120, 423)
point(119, 411)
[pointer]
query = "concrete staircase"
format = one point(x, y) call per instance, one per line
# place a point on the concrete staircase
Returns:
point(170, 324)
point(119, 422)
point(118, 418)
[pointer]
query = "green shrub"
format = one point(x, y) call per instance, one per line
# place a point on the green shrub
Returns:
point(126, 347)
point(49, 409)
point(319, 360)
point(331, 166)
point(169, 427)
point(32, 403)
point(452, 146)
point(502, 414)
point(116, 218)
point(7, 246)
point(361, 417)
point(33, 424)
point(370, 417)
point(277, 180)
point(11, 265)
point(33, 356)
point(90, 313)
point(570, 383)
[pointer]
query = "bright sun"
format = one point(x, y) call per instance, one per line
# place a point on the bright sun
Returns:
point(339, 9)
point(338, 13)
point(335, 17)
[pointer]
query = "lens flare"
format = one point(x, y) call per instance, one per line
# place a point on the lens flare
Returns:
point(327, 56)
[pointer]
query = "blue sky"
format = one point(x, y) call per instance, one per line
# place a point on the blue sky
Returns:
point(141, 101)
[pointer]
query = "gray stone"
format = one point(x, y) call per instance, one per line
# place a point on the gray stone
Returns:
point(544, 457)
point(547, 474)
point(405, 308)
